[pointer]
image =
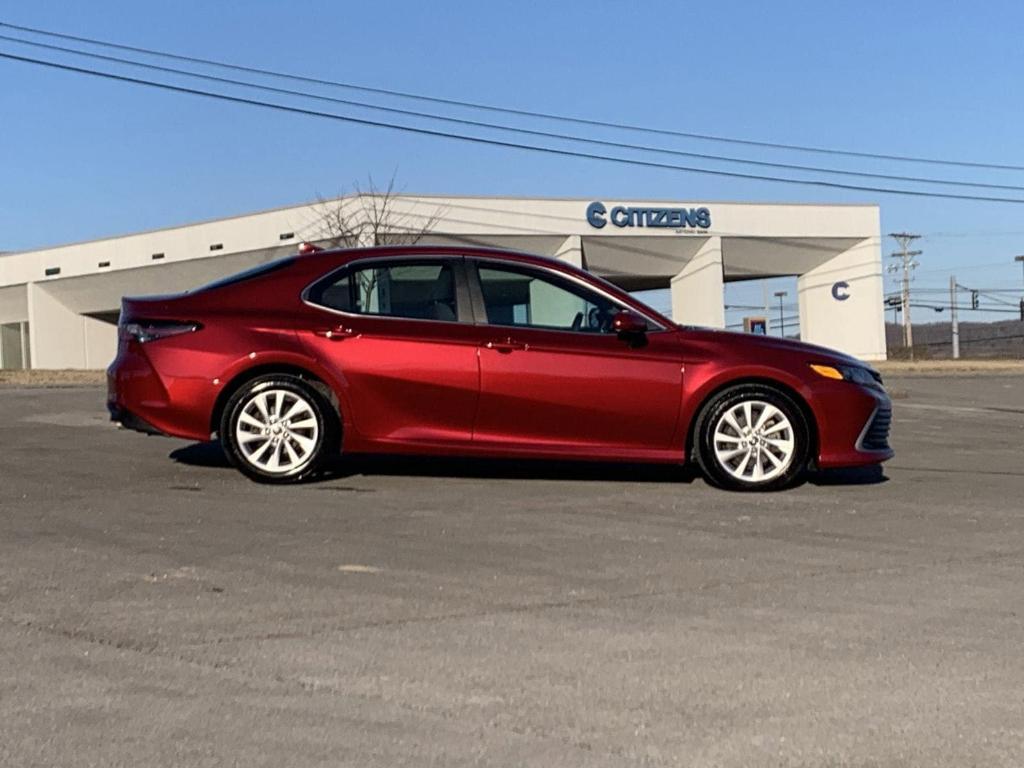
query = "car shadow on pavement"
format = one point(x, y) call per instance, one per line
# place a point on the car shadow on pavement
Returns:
point(211, 455)
point(515, 469)
point(870, 475)
point(201, 455)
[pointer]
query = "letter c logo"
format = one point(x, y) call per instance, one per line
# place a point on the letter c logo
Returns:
point(839, 290)
point(595, 215)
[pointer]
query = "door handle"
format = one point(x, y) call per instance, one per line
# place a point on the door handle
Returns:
point(340, 333)
point(506, 345)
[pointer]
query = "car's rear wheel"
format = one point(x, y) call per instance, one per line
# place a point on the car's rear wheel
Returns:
point(753, 438)
point(278, 429)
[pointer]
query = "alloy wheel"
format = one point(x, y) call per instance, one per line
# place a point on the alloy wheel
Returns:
point(754, 441)
point(276, 431)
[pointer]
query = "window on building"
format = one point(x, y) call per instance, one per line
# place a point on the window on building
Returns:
point(13, 346)
point(26, 350)
point(217, 247)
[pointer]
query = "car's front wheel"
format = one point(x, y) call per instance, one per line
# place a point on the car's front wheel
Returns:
point(753, 437)
point(277, 429)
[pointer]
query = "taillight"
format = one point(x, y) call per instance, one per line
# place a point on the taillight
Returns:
point(151, 330)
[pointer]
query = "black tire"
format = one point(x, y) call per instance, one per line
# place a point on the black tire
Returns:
point(313, 439)
point(713, 439)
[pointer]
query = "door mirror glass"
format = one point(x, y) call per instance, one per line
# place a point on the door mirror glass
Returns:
point(628, 322)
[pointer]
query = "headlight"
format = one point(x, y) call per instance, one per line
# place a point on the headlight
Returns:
point(855, 373)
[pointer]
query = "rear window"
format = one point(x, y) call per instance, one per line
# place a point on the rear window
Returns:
point(420, 290)
point(249, 274)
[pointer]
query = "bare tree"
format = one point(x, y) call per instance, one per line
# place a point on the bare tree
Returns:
point(370, 217)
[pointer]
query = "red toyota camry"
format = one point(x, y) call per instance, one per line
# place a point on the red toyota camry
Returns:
point(467, 351)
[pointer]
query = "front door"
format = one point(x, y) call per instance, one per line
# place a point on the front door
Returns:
point(553, 377)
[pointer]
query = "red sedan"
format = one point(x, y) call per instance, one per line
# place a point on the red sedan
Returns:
point(467, 351)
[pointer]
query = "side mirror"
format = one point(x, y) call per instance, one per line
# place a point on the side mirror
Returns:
point(626, 322)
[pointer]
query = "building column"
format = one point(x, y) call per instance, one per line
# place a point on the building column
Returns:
point(61, 338)
point(841, 302)
point(571, 251)
point(698, 293)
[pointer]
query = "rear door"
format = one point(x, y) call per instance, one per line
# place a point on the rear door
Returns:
point(398, 333)
point(554, 377)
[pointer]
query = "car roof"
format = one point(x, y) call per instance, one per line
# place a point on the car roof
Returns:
point(383, 251)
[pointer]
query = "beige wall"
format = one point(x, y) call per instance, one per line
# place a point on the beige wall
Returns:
point(61, 338)
point(13, 304)
point(856, 325)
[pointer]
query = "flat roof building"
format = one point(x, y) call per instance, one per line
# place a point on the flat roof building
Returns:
point(58, 306)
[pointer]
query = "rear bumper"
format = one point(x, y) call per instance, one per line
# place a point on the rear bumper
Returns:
point(142, 399)
point(129, 420)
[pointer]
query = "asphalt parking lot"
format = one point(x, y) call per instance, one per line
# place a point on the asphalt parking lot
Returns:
point(159, 609)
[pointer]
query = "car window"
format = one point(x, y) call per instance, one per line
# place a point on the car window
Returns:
point(423, 291)
point(524, 298)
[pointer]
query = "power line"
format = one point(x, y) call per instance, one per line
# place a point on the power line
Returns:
point(1013, 291)
point(502, 143)
point(996, 299)
point(939, 307)
point(514, 129)
point(973, 234)
point(991, 265)
point(511, 111)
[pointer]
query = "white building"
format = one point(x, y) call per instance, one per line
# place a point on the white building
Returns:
point(58, 306)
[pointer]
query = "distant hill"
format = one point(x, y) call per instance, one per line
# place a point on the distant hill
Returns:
point(1004, 339)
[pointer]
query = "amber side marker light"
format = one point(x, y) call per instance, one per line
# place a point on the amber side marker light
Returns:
point(828, 371)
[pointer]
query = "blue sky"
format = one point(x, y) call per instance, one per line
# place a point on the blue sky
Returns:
point(83, 158)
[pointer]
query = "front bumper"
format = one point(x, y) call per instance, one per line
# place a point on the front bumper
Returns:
point(875, 436)
point(853, 425)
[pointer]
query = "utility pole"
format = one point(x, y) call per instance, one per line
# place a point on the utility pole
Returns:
point(780, 295)
point(954, 318)
point(1020, 259)
point(906, 257)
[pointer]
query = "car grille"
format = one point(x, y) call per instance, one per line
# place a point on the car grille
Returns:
point(876, 436)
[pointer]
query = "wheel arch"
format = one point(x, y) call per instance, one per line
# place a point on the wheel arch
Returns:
point(708, 396)
point(241, 378)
